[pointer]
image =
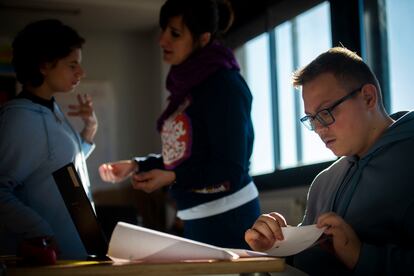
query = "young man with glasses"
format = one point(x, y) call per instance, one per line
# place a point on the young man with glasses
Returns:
point(365, 200)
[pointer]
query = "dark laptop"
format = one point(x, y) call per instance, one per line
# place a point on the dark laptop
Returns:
point(81, 211)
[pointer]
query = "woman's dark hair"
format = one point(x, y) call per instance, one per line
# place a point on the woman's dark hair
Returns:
point(200, 16)
point(40, 42)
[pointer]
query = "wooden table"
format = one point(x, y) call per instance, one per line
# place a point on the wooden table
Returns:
point(74, 268)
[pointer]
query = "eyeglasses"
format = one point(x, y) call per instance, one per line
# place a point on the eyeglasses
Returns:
point(324, 116)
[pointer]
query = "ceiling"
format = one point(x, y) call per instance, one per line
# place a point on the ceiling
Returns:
point(84, 15)
point(102, 15)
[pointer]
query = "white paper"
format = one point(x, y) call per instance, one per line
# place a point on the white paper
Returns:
point(296, 239)
point(134, 243)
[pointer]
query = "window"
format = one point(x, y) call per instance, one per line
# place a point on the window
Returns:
point(257, 63)
point(401, 56)
point(267, 64)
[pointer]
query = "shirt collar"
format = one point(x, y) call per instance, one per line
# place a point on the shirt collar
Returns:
point(38, 100)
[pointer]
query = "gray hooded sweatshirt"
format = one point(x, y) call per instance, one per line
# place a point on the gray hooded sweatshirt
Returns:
point(375, 195)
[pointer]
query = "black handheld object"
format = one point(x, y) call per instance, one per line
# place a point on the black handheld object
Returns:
point(81, 211)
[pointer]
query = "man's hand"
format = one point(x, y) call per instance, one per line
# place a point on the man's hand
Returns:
point(345, 242)
point(265, 231)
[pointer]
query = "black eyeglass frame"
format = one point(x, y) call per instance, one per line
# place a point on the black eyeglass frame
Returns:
point(307, 120)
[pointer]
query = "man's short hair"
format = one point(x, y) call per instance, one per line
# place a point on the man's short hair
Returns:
point(347, 67)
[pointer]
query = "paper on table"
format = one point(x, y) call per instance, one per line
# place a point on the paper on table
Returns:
point(296, 239)
point(134, 243)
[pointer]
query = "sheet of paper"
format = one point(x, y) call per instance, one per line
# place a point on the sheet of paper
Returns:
point(134, 243)
point(296, 239)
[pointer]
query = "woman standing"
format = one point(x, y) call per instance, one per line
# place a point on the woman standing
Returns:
point(36, 139)
point(206, 129)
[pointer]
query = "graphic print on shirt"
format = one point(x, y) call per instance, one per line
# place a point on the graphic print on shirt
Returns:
point(176, 138)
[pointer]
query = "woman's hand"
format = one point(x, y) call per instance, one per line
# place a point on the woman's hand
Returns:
point(265, 231)
point(84, 110)
point(152, 180)
point(117, 171)
point(345, 242)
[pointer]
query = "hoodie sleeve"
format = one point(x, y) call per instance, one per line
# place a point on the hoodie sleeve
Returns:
point(150, 162)
point(87, 148)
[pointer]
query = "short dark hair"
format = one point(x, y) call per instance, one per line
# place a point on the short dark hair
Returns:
point(347, 67)
point(200, 16)
point(40, 42)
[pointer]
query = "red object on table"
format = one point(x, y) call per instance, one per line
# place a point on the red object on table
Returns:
point(38, 251)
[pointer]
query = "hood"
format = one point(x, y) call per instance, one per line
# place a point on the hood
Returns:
point(20, 103)
point(401, 129)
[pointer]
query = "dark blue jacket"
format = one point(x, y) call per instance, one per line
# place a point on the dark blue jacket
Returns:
point(220, 141)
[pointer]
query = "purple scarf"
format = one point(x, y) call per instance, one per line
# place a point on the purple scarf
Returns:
point(193, 71)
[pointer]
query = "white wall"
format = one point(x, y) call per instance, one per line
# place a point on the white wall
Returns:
point(131, 61)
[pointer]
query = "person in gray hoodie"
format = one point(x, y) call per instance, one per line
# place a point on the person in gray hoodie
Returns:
point(37, 139)
point(364, 200)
